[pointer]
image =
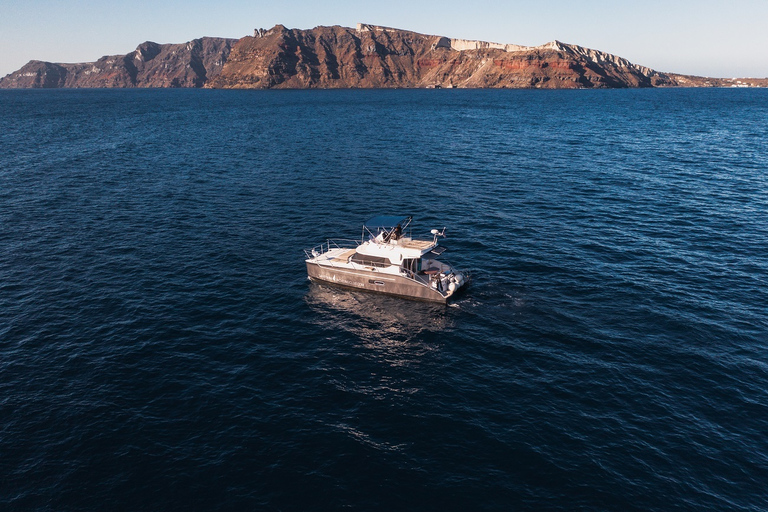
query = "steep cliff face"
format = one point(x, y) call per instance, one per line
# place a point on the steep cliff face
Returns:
point(150, 65)
point(333, 57)
point(326, 57)
point(365, 57)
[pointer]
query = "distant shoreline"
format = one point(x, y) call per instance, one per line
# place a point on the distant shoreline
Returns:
point(366, 57)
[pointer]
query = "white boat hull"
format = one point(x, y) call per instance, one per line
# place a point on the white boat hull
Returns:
point(374, 281)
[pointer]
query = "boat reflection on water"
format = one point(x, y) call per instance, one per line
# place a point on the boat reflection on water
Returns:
point(388, 323)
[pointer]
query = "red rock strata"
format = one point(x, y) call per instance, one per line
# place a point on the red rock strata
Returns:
point(373, 57)
point(366, 57)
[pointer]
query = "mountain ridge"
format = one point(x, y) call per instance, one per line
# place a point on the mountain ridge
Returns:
point(368, 56)
point(151, 64)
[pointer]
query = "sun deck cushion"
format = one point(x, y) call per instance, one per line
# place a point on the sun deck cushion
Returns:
point(344, 257)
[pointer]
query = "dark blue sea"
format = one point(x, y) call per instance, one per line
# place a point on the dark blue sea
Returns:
point(162, 349)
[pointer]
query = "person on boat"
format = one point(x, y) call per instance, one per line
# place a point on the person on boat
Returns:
point(386, 236)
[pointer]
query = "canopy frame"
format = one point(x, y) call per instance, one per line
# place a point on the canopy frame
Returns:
point(388, 225)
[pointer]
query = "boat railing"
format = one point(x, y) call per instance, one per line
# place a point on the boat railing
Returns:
point(337, 243)
point(445, 269)
point(410, 274)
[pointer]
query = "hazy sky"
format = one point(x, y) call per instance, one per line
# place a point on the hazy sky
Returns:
point(704, 37)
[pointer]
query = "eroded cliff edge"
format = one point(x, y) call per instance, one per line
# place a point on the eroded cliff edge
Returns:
point(367, 56)
point(150, 65)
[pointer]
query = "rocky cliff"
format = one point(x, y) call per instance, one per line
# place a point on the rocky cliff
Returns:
point(332, 57)
point(367, 57)
point(150, 65)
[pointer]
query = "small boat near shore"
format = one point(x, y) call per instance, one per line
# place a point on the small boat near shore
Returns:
point(387, 260)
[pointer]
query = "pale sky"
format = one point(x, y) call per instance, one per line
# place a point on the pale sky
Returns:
point(714, 38)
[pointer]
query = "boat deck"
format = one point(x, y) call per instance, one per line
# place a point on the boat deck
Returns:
point(343, 257)
point(416, 244)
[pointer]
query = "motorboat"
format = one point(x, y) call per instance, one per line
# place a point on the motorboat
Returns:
point(387, 260)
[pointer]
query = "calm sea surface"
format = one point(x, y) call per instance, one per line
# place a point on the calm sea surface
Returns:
point(162, 349)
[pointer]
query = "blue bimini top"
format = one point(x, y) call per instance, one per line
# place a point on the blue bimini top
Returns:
point(387, 221)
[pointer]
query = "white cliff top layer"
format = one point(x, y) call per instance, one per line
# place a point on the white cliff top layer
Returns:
point(468, 44)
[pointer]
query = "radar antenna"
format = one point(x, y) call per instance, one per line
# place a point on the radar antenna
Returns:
point(437, 234)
